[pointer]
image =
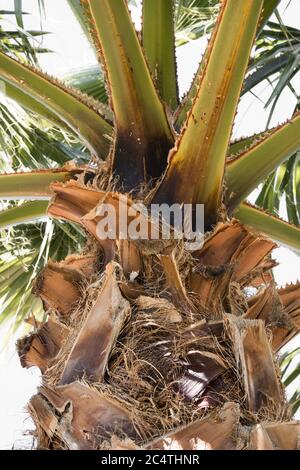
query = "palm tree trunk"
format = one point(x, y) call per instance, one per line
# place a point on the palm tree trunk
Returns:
point(179, 356)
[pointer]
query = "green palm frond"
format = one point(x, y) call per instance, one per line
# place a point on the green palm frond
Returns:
point(24, 251)
point(283, 186)
point(277, 60)
point(290, 372)
point(19, 40)
point(194, 18)
point(26, 143)
point(89, 80)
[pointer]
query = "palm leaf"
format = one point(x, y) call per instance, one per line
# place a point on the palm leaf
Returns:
point(89, 80)
point(21, 41)
point(251, 167)
point(194, 18)
point(24, 251)
point(290, 371)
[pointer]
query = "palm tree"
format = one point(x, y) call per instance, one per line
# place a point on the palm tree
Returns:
point(147, 344)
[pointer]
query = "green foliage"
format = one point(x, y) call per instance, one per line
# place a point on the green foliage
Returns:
point(24, 251)
point(283, 185)
point(194, 18)
point(290, 372)
point(276, 60)
point(20, 41)
point(89, 80)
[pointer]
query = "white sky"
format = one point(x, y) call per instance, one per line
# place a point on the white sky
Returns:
point(71, 51)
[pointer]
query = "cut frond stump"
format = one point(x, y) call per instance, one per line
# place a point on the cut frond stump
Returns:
point(268, 306)
point(290, 298)
point(82, 418)
point(254, 356)
point(275, 436)
point(202, 368)
point(58, 288)
point(218, 431)
point(40, 348)
point(89, 355)
point(60, 284)
point(232, 254)
point(174, 281)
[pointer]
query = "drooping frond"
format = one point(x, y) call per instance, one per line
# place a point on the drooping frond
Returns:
point(28, 143)
point(21, 41)
point(81, 113)
point(283, 185)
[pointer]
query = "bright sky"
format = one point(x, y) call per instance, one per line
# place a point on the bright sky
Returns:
point(71, 51)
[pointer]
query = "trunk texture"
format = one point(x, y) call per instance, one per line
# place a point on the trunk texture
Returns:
point(149, 346)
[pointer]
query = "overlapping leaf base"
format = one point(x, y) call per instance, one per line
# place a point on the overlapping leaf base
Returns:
point(149, 346)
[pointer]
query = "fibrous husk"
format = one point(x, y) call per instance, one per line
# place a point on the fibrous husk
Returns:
point(159, 307)
point(126, 444)
point(290, 298)
point(87, 264)
point(130, 258)
point(174, 281)
point(60, 284)
point(88, 207)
